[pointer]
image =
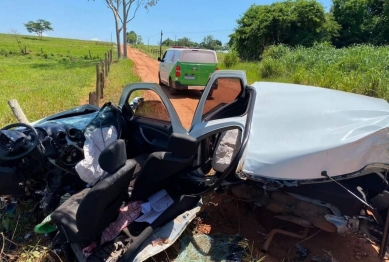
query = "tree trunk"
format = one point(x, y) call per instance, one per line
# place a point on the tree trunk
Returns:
point(124, 30)
point(118, 37)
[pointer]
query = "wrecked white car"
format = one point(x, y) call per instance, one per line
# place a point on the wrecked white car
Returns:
point(134, 176)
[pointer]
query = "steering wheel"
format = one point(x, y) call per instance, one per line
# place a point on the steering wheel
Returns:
point(24, 144)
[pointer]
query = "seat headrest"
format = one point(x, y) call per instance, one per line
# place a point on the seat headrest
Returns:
point(113, 157)
point(182, 145)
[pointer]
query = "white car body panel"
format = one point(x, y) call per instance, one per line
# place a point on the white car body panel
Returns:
point(299, 131)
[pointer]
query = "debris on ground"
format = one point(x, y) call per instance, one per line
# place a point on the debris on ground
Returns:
point(327, 257)
point(301, 253)
point(203, 248)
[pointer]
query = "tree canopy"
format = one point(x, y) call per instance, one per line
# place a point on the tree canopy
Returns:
point(305, 22)
point(38, 27)
point(361, 21)
point(299, 22)
point(210, 43)
point(132, 38)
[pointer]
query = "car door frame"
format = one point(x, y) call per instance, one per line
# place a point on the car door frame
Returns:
point(174, 119)
point(199, 127)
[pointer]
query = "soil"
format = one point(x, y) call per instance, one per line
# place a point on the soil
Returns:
point(222, 214)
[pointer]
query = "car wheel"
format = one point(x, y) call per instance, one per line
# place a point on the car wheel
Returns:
point(159, 79)
point(172, 90)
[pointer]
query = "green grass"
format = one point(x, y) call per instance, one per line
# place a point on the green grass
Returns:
point(121, 74)
point(359, 69)
point(46, 82)
point(148, 50)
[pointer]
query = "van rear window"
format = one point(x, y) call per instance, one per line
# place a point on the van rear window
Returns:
point(198, 56)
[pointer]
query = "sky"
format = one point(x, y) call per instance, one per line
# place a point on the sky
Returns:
point(93, 20)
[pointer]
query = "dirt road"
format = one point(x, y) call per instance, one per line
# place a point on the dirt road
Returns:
point(147, 69)
point(186, 102)
point(226, 216)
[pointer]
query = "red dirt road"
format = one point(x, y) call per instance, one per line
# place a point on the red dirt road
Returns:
point(147, 69)
point(228, 216)
point(186, 102)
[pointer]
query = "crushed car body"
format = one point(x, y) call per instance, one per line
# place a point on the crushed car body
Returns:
point(316, 157)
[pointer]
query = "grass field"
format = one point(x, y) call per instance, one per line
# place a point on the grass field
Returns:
point(55, 74)
point(358, 69)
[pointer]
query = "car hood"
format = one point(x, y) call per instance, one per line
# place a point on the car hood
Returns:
point(299, 131)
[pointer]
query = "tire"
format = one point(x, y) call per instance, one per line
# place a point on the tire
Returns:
point(159, 80)
point(172, 90)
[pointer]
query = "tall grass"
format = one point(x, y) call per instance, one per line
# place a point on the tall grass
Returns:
point(359, 69)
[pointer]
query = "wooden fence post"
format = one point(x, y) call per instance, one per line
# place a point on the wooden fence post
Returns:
point(18, 112)
point(106, 64)
point(109, 61)
point(103, 70)
point(110, 56)
point(98, 85)
point(101, 85)
point(92, 98)
point(90, 55)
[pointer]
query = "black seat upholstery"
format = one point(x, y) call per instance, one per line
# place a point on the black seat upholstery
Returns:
point(85, 215)
point(160, 166)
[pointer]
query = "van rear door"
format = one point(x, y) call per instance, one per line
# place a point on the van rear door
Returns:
point(195, 66)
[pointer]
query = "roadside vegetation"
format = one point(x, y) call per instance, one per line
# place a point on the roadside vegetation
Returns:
point(361, 69)
point(53, 75)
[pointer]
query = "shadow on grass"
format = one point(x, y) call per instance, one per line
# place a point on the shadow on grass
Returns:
point(64, 64)
point(34, 38)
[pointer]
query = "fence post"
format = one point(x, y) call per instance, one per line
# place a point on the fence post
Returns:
point(92, 98)
point(102, 70)
point(106, 64)
point(90, 55)
point(98, 86)
point(110, 56)
point(101, 85)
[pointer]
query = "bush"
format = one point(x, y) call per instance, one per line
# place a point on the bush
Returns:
point(270, 68)
point(230, 59)
point(275, 52)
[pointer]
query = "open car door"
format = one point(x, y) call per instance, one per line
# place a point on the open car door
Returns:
point(149, 118)
point(220, 124)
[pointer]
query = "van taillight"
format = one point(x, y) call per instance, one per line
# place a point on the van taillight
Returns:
point(178, 71)
point(217, 68)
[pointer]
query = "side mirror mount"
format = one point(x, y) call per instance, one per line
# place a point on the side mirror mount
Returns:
point(137, 101)
point(159, 59)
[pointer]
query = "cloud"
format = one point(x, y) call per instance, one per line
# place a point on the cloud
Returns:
point(95, 39)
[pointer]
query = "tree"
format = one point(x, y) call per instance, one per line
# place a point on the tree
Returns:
point(184, 42)
point(168, 42)
point(38, 27)
point(139, 40)
point(132, 38)
point(210, 43)
point(124, 17)
point(361, 21)
point(299, 22)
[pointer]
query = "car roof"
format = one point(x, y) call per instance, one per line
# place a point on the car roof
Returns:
point(189, 49)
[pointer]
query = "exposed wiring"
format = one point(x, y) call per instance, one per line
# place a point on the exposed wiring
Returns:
point(305, 239)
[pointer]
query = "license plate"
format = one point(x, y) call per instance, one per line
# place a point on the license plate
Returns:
point(189, 77)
